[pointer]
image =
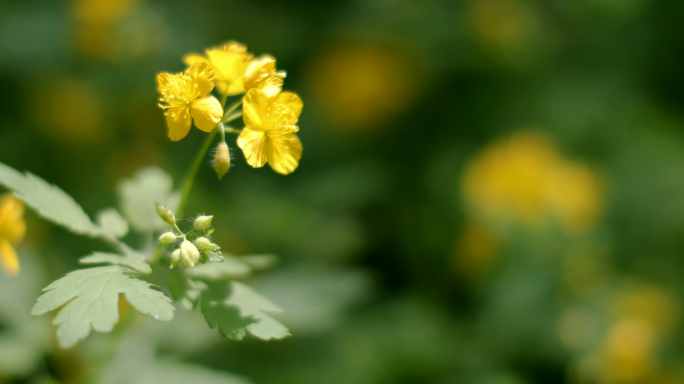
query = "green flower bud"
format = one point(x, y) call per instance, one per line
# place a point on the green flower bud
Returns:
point(203, 222)
point(166, 214)
point(221, 161)
point(189, 254)
point(175, 258)
point(167, 238)
point(204, 244)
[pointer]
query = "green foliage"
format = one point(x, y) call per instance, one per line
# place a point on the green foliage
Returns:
point(111, 221)
point(233, 307)
point(112, 258)
point(138, 197)
point(49, 201)
point(91, 297)
point(220, 302)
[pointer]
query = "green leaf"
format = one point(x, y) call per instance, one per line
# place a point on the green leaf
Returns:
point(111, 221)
point(139, 195)
point(90, 298)
point(230, 268)
point(183, 289)
point(112, 258)
point(240, 310)
point(49, 201)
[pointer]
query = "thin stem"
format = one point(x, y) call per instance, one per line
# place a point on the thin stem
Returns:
point(222, 129)
point(232, 130)
point(190, 180)
point(227, 115)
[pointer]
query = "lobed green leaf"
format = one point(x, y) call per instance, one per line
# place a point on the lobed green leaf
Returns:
point(112, 222)
point(49, 201)
point(90, 300)
point(112, 258)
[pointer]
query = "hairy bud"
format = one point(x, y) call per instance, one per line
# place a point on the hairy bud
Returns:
point(221, 161)
point(166, 214)
point(204, 244)
point(167, 238)
point(175, 258)
point(203, 222)
point(189, 254)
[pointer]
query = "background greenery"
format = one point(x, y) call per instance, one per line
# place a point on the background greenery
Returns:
point(490, 192)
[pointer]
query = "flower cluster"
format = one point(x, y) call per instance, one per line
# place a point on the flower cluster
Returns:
point(195, 245)
point(270, 115)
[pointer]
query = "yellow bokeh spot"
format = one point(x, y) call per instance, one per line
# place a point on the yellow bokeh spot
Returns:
point(362, 86)
point(649, 304)
point(102, 12)
point(71, 112)
point(525, 180)
point(12, 231)
point(628, 352)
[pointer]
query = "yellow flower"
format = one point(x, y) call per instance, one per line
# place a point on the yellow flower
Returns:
point(261, 74)
point(12, 230)
point(229, 62)
point(187, 94)
point(269, 130)
point(526, 179)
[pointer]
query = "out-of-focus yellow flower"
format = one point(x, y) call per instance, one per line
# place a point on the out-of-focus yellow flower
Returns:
point(362, 86)
point(525, 179)
point(102, 11)
point(628, 354)
point(186, 97)
point(72, 112)
point(12, 231)
point(650, 304)
point(261, 74)
point(269, 133)
point(230, 62)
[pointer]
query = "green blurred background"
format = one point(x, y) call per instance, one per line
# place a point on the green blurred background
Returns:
point(491, 191)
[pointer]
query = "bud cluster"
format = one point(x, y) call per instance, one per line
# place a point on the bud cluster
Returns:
point(195, 245)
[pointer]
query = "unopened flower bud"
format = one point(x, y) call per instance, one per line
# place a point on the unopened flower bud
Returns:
point(221, 161)
point(175, 258)
point(166, 214)
point(189, 253)
point(167, 238)
point(203, 222)
point(204, 244)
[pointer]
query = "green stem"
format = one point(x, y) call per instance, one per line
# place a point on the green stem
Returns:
point(231, 130)
point(190, 180)
point(227, 117)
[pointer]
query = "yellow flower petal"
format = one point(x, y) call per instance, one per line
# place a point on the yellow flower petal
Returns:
point(193, 58)
point(280, 118)
point(163, 81)
point(283, 151)
point(252, 145)
point(179, 122)
point(8, 258)
point(291, 100)
point(258, 69)
point(255, 109)
point(12, 224)
point(203, 76)
point(207, 112)
point(230, 68)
